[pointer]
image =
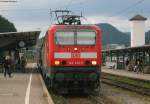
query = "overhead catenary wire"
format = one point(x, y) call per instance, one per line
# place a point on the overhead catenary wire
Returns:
point(119, 12)
point(127, 8)
point(123, 11)
point(69, 3)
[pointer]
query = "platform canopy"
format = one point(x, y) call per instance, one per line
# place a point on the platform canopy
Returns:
point(13, 40)
point(129, 49)
point(119, 56)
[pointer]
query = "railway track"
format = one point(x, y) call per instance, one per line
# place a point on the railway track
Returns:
point(88, 99)
point(77, 99)
point(122, 83)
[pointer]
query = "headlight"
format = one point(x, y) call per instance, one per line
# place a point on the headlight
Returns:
point(57, 62)
point(94, 62)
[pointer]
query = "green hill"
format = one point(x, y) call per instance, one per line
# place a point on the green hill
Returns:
point(6, 26)
point(111, 35)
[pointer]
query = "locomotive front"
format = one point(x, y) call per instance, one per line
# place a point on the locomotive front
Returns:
point(75, 56)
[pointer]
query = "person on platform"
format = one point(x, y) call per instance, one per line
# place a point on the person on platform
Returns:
point(127, 64)
point(138, 65)
point(7, 64)
point(23, 63)
point(3, 60)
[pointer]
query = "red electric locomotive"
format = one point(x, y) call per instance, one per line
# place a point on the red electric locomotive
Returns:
point(71, 56)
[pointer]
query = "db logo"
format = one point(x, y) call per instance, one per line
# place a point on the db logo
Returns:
point(75, 55)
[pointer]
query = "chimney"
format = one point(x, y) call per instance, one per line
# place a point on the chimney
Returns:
point(137, 30)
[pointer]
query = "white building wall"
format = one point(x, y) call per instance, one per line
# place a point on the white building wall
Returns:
point(137, 33)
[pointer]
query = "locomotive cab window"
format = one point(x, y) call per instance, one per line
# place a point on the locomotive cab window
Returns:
point(86, 38)
point(75, 37)
point(64, 38)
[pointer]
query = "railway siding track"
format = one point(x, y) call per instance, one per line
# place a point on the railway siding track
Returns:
point(139, 86)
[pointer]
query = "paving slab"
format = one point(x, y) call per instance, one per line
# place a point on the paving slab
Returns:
point(127, 73)
point(22, 89)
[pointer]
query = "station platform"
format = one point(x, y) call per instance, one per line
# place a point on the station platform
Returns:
point(125, 73)
point(23, 88)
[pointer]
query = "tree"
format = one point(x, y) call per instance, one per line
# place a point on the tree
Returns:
point(6, 26)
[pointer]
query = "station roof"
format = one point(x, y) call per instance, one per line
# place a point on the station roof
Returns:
point(143, 48)
point(11, 40)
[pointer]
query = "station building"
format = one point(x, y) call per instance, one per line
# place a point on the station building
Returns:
point(116, 58)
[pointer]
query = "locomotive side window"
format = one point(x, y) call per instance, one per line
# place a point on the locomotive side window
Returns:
point(86, 38)
point(64, 38)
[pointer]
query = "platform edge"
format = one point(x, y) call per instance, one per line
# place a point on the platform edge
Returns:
point(45, 90)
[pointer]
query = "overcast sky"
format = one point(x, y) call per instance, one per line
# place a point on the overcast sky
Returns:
point(34, 14)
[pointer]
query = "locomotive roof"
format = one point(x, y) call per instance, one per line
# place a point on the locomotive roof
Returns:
point(72, 26)
point(10, 40)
